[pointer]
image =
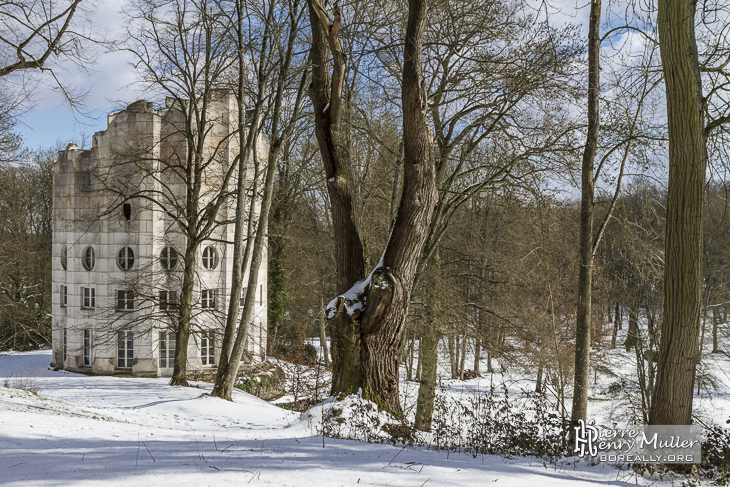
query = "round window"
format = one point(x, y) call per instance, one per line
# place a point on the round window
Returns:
point(125, 258)
point(210, 258)
point(64, 257)
point(88, 258)
point(168, 258)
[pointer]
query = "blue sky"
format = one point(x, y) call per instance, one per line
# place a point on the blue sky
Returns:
point(109, 83)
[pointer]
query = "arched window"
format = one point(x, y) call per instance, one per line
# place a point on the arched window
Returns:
point(210, 258)
point(168, 258)
point(125, 258)
point(88, 258)
point(64, 257)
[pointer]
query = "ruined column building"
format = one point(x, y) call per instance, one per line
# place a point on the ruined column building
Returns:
point(119, 251)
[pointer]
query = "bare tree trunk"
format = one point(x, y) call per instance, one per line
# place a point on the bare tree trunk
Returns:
point(182, 335)
point(420, 354)
point(427, 389)
point(616, 326)
point(389, 293)
point(715, 349)
point(322, 332)
point(477, 354)
point(409, 361)
point(451, 347)
point(585, 271)
point(464, 343)
point(254, 247)
point(226, 378)
point(633, 334)
point(620, 316)
point(538, 381)
point(325, 92)
point(703, 321)
point(245, 143)
point(678, 350)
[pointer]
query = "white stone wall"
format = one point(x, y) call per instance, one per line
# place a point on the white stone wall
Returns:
point(84, 215)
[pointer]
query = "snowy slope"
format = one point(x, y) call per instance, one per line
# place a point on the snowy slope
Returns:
point(79, 431)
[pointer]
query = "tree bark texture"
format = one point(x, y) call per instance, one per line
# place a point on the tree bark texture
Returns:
point(389, 294)
point(679, 347)
point(585, 270)
point(325, 91)
point(180, 362)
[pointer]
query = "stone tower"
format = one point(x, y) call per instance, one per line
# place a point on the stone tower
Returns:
point(118, 249)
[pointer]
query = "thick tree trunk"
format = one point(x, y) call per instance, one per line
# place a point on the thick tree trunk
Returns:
point(585, 271)
point(679, 350)
point(325, 92)
point(715, 348)
point(389, 293)
point(538, 381)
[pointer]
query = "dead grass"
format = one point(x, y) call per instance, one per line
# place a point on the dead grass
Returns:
point(29, 383)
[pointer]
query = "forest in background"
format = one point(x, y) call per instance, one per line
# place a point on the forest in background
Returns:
point(507, 108)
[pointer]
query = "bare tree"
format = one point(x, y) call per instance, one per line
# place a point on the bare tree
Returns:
point(282, 125)
point(326, 93)
point(181, 51)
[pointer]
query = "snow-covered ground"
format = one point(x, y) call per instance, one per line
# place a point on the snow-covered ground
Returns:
point(78, 430)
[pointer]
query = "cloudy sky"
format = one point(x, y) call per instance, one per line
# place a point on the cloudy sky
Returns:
point(109, 82)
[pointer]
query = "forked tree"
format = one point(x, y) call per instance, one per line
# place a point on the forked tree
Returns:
point(377, 307)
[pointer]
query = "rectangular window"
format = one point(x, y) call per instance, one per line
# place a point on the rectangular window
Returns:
point(207, 298)
point(65, 344)
point(125, 300)
point(125, 349)
point(168, 301)
point(261, 294)
point(167, 349)
point(88, 298)
point(87, 348)
point(242, 299)
point(64, 296)
point(207, 348)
